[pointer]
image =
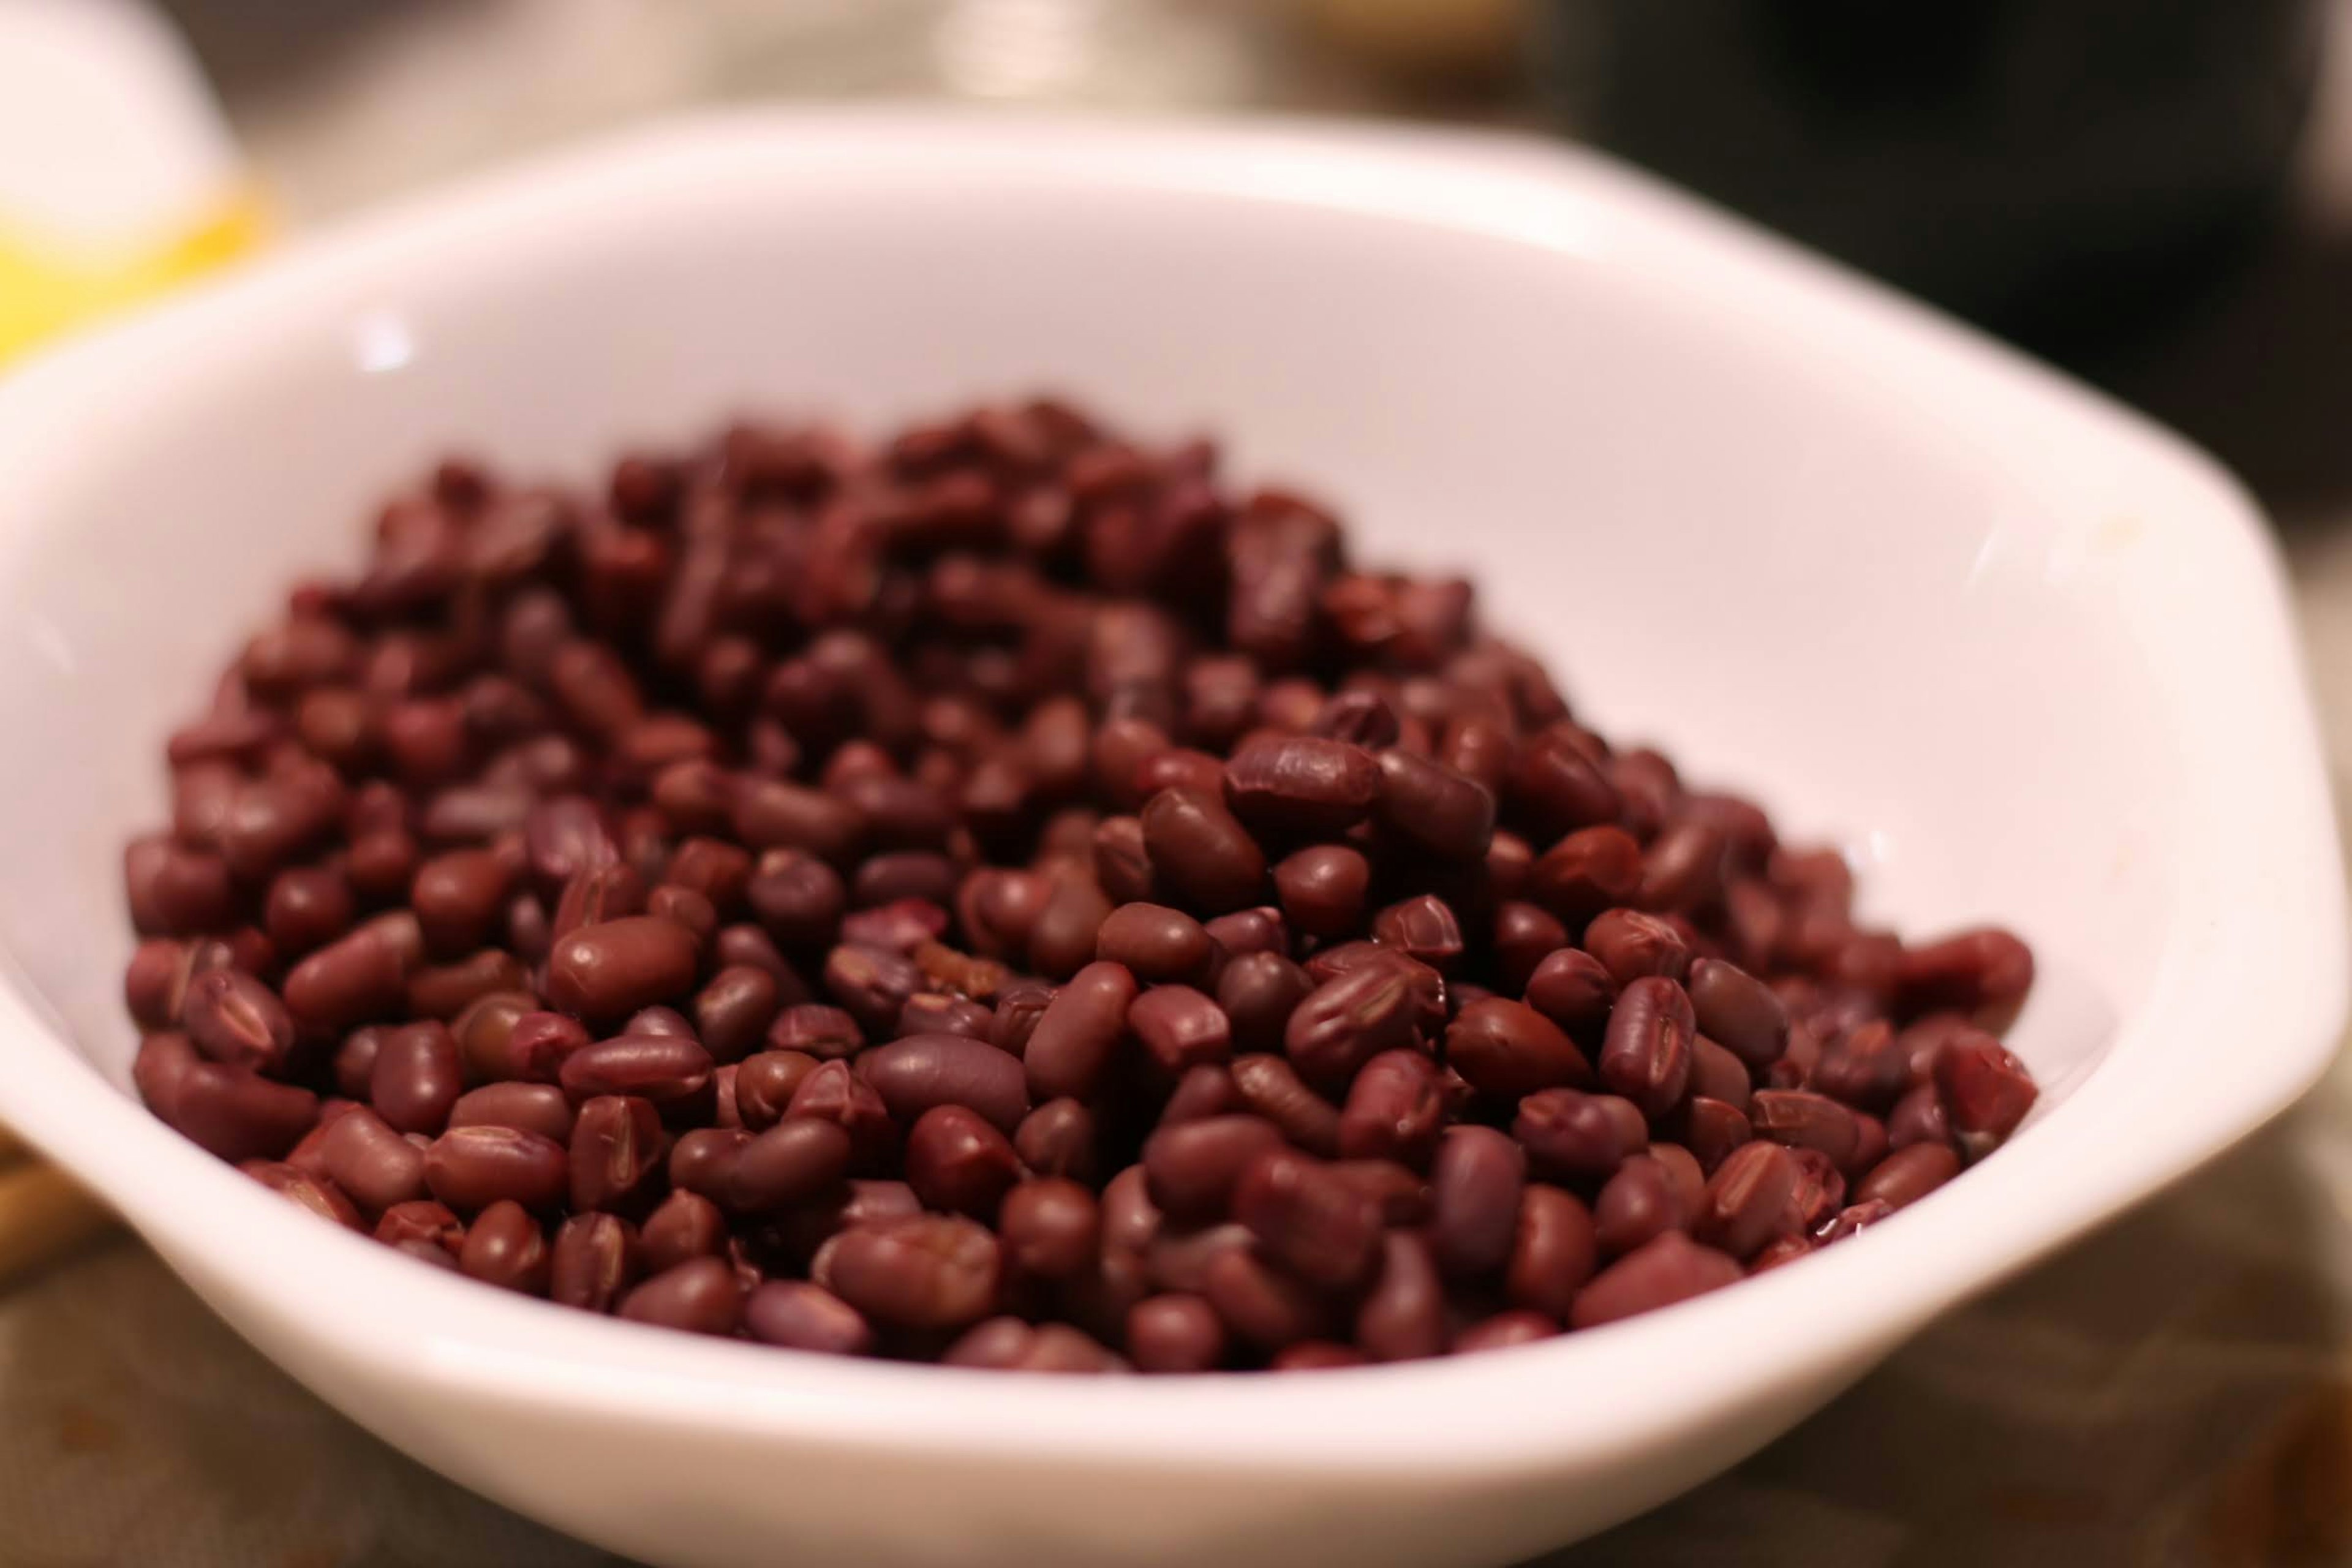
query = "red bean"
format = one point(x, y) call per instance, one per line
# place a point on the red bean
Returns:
point(671, 1072)
point(957, 1161)
point(1475, 1190)
point(234, 1019)
point(921, 1071)
point(1510, 1048)
point(1672, 1269)
point(1190, 1169)
point(1177, 1029)
point(1322, 889)
point(1576, 1136)
point(700, 1296)
point(1403, 1314)
point(602, 973)
point(922, 1272)
point(1175, 1333)
point(1050, 1228)
point(683, 1226)
point(470, 1168)
point(1646, 1057)
point(1203, 855)
point(317, 1194)
point(1320, 1227)
point(1395, 1110)
point(1908, 1174)
point(594, 1260)
point(506, 1247)
point(1436, 808)
point(1347, 1021)
point(804, 1317)
point(1303, 786)
point(378, 1167)
point(1071, 1048)
point(231, 1112)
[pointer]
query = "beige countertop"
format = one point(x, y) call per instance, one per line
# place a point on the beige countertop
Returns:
point(2175, 1391)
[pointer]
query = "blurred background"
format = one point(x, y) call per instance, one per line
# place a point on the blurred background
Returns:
point(2157, 195)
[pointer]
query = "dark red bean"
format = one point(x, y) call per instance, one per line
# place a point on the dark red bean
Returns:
point(1985, 1091)
point(700, 1296)
point(1402, 1317)
point(1717, 1074)
point(1050, 1228)
point(833, 1092)
point(422, 1225)
point(733, 1010)
point(1578, 1136)
point(1258, 992)
point(317, 1194)
point(671, 1072)
point(1505, 1329)
point(1424, 928)
point(1303, 786)
point(915, 1074)
point(604, 972)
point(1639, 1203)
point(1819, 1191)
point(1072, 1045)
point(1984, 973)
point(1908, 1174)
point(1646, 1056)
point(538, 1108)
point(764, 1085)
point(1558, 787)
point(1571, 989)
point(683, 1226)
point(1671, 1269)
point(1315, 1355)
point(595, 1260)
point(1263, 1306)
point(1175, 1333)
point(306, 908)
point(1474, 1188)
point(1322, 889)
point(1190, 1169)
point(703, 1161)
point(1745, 1198)
point(1711, 1129)
point(355, 978)
point(470, 1168)
point(1122, 864)
point(1630, 945)
point(1155, 944)
point(1738, 1011)
point(922, 1272)
point(956, 1161)
point(800, 1316)
point(418, 1077)
point(1508, 1049)
point(234, 1019)
point(1063, 938)
point(1201, 1092)
point(1201, 853)
point(872, 983)
point(1918, 1117)
point(1863, 1066)
point(1589, 870)
point(445, 990)
point(1319, 1226)
point(1402, 1196)
point(1269, 1088)
point(373, 1164)
point(615, 1153)
point(1395, 1110)
point(1554, 1249)
point(1179, 1028)
point(1057, 1138)
point(1347, 1021)
point(823, 1031)
point(1802, 1119)
point(505, 1247)
point(1434, 807)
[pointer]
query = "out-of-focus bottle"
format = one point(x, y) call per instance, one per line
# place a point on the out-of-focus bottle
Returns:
point(2061, 170)
point(118, 177)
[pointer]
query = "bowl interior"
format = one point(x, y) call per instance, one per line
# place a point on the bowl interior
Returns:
point(1727, 538)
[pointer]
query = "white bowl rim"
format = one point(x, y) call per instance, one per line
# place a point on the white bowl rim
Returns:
point(2274, 971)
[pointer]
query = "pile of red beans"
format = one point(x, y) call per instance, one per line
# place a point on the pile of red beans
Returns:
point(1003, 897)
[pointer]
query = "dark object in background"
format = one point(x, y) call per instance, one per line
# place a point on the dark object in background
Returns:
point(2063, 171)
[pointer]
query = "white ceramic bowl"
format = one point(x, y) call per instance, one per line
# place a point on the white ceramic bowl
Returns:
point(2025, 654)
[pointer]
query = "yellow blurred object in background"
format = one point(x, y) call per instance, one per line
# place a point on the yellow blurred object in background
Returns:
point(1424, 38)
point(118, 178)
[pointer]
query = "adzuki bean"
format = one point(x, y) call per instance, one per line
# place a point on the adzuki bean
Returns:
point(997, 896)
